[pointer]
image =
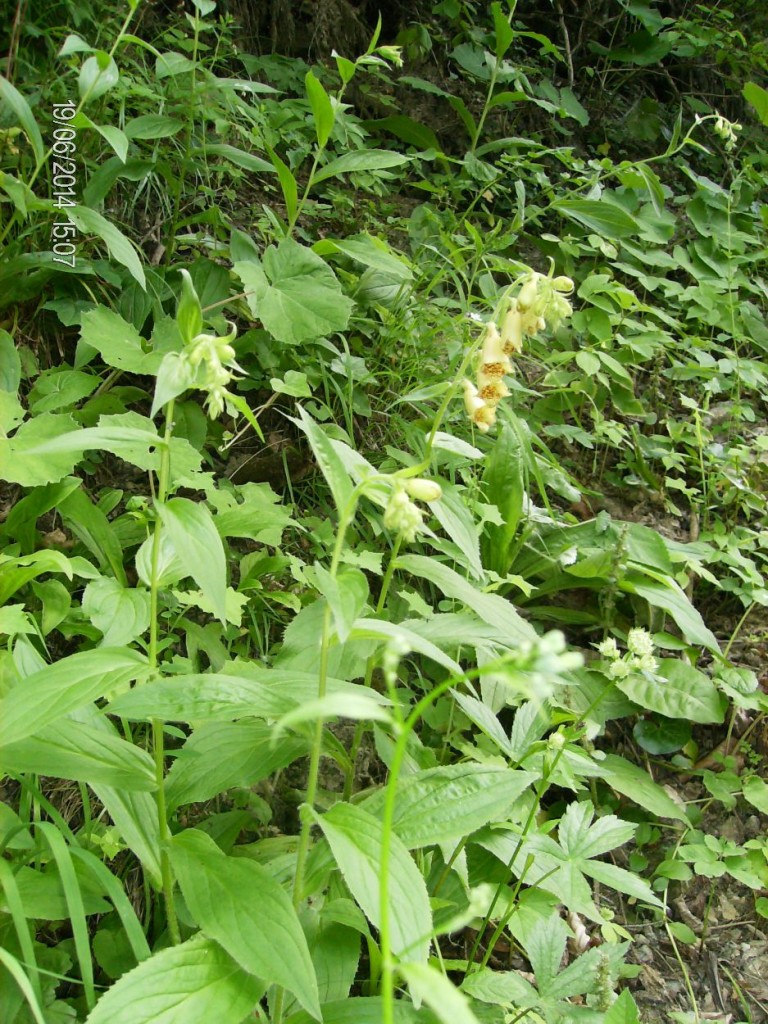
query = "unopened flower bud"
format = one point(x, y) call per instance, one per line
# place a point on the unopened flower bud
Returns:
point(424, 490)
point(512, 332)
point(563, 284)
point(528, 293)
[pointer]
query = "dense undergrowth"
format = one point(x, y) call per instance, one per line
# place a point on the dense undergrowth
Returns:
point(383, 528)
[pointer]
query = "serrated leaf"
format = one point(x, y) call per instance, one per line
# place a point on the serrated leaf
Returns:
point(238, 903)
point(295, 294)
point(194, 983)
point(198, 545)
point(355, 837)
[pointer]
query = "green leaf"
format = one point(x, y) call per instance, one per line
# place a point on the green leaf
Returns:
point(135, 816)
point(367, 1010)
point(288, 184)
point(238, 903)
point(503, 31)
point(69, 749)
point(623, 1011)
point(757, 97)
point(10, 361)
point(756, 791)
point(198, 545)
point(174, 376)
point(504, 483)
point(238, 157)
point(328, 460)
point(433, 988)
point(22, 111)
point(199, 772)
point(153, 126)
point(120, 613)
point(491, 608)
point(120, 248)
point(635, 783)
point(58, 689)
point(189, 313)
point(118, 343)
point(447, 803)
point(20, 463)
point(346, 594)
point(322, 109)
point(295, 294)
point(98, 75)
point(682, 692)
point(600, 216)
point(194, 983)
point(357, 707)
point(355, 837)
point(665, 593)
point(243, 691)
point(360, 160)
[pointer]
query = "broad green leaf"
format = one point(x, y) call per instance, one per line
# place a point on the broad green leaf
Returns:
point(295, 294)
point(189, 313)
point(322, 108)
point(58, 689)
point(369, 251)
point(238, 903)
point(582, 839)
point(98, 75)
point(346, 594)
point(242, 691)
point(433, 988)
point(504, 485)
point(360, 160)
point(121, 249)
point(194, 983)
point(355, 838)
point(175, 375)
point(503, 31)
point(254, 512)
point(199, 772)
point(198, 545)
point(491, 608)
point(635, 783)
point(43, 893)
point(12, 98)
point(666, 594)
point(757, 97)
point(328, 459)
point(10, 361)
point(681, 692)
point(444, 804)
point(623, 1011)
point(153, 126)
point(500, 987)
point(73, 750)
point(16, 572)
point(91, 526)
point(121, 613)
point(599, 215)
point(756, 791)
point(21, 463)
point(459, 523)
point(406, 638)
point(118, 343)
point(238, 157)
point(288, 184)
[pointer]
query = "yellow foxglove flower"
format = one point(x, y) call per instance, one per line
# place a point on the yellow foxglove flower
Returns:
point(512, 332)
point(424, 490)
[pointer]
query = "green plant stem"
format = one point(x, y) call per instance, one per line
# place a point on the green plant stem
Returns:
point(360, 727)
point(158, 736)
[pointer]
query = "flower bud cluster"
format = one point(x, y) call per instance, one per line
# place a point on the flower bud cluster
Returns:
point(727, 131)
point(402, 515)
point(540, 301)
point(213, 359)
point(639, 656)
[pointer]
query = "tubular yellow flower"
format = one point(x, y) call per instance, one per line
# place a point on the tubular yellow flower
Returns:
point(479, 411)
point(529, 292)
point(512, 332)
point(491, 389)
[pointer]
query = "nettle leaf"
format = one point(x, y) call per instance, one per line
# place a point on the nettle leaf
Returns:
point(194, 983)
point(56, 690)
point(443, 804)
point(682, 692)
point(295, 294)
point(238, 903)
point(198, 545)
point(355, 837)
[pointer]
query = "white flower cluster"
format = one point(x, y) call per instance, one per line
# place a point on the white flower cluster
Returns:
point(402, 514)
point(540, 301)
point(727, 131)
point(214, 360)
point(639, 656)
